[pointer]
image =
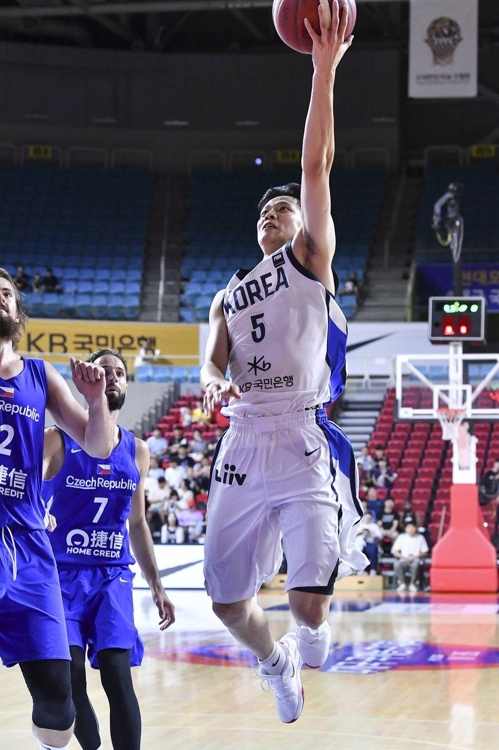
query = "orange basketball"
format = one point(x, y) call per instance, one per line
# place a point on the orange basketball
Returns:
point(288, 16)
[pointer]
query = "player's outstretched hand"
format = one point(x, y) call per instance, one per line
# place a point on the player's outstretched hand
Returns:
point(218, 390)
point(165, 608)
point(90, 379)
point(330, 45)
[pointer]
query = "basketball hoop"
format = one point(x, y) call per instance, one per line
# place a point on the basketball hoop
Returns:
point(450, 420)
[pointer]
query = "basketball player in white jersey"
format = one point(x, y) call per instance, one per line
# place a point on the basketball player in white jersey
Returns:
point(282, 468)
point(32, 626)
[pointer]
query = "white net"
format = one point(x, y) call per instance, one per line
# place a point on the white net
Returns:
point(450, 420)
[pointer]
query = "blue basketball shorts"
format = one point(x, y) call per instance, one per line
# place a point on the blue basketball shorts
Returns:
point(281, 482)
point(98, 605)
point(32, 622)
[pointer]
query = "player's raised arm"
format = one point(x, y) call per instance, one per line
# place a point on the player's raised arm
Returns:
point(315, 244)
point(141, 541)
point(213, 380)
point(92, 429)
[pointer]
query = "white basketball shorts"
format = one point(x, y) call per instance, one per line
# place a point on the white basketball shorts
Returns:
point(287, 481)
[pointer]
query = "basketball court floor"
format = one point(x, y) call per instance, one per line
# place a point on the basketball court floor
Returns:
point(404, 672)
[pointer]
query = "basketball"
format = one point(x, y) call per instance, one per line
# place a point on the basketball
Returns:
point(288, 17)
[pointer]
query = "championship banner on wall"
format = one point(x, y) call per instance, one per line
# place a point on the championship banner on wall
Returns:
point(178, 343)
point(443, 48)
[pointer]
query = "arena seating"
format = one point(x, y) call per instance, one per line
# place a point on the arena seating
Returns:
point(422, 460)
point(221, 229)
point(88, 225)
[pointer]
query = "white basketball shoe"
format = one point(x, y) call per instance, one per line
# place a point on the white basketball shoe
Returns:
point(314, 644)
point(287, 687)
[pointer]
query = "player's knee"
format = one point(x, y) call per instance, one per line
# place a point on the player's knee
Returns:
point(54, 711)
point(230, 614)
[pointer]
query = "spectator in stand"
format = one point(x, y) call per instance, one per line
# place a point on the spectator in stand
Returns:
point(51, 283)
point(185, 493)
point(379, 455)
point(383, 476)
point(409, 515)
point(368, 538)
point(389, 524)
point(185, 416)
point(176, 439)
point(199, 416)
point(198, 444)
point(172, 504)
point(38, 283)
point(156, 503)
point(183, 456)
point(489, 486)
point(192, 520)
point(157, 444)
point(147, 353)
point(409, 548)
point(155, 470)
point(365, 464)
point(201, 473)
point(374, 504)
point(21, 280)
point(172, 533)
point(175, 473)
point(351, 285)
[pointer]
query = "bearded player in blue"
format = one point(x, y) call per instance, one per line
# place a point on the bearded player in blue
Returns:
point(92, 500)
point(32, 627)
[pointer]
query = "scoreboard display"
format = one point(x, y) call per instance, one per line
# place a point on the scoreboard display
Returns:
point(456, 319)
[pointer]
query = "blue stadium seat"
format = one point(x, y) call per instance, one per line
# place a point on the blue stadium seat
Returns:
point(144, 373)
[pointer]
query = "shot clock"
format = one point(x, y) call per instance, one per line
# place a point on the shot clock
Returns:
point(456, 319)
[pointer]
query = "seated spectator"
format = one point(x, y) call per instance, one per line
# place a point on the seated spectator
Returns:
point(389, 524)
point(51, 282)
point(21, 280)
point(38, 283)
point(156, 503)
point(409, 515)
point(184, 458)
point(383, 476)
point(177, 439)
point(185, 493)
point(185, 416)
point(351, 285)
point(198, 444)
point(374, 504)
point(147, 353)
point(192, 520)
point(489, 486)
point(175, 473)
point(157, 444)
point(172, 504)
point(409, 548)
point(201, 473)
point(368, 537)
point(379, 455)
point(365, 464)
point(171, 532)
point(198, 415)
point(155, 470)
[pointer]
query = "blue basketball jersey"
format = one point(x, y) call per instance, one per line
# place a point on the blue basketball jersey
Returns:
point(22, 415)
point(287, 338)
point(91, 500)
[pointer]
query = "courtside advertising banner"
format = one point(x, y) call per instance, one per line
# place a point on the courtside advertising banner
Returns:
point(443, 47)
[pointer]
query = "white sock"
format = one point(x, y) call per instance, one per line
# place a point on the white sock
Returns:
point(274, 663)
point(44, 746)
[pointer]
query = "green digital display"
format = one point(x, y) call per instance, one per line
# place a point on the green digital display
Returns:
point(456, 319)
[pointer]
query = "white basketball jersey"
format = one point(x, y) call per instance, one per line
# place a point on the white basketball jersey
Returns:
point(287, 338)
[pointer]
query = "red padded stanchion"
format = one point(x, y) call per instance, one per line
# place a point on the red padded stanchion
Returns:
point(464, 559)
